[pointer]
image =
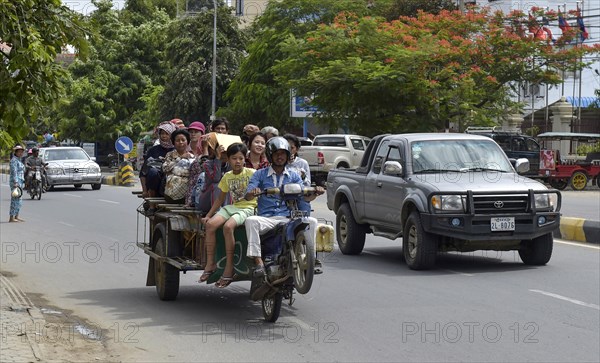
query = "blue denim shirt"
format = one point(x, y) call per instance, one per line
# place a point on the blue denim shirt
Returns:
point(271, 205)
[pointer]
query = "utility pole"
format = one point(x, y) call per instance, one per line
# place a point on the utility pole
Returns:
point(461, 6)
point(214, 66)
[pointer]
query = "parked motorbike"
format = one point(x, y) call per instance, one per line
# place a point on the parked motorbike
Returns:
point(35, 188)
point(289, 258)
point(113, 161)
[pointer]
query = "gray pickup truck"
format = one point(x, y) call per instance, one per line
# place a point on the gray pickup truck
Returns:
point(443, 192)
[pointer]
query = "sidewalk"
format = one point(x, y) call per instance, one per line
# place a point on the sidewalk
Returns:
point(20, 322)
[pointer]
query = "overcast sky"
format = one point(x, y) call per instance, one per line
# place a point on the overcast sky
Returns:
point(85, 6)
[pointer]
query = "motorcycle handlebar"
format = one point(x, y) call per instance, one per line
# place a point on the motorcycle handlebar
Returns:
point(271, 191)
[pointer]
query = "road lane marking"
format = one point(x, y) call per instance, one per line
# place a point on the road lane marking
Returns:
point(72, 195)
point(578, 244)
point(458, 272)
point(108, 201)
point(66, 224)
point(556, 296)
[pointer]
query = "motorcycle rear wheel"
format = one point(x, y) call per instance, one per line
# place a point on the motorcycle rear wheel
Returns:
point(303, 263)
point(271, 307)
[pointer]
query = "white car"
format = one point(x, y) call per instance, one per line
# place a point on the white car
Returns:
point(70, 165)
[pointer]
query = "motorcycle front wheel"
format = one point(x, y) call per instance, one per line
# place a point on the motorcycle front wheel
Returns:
point(303, 263)
point(38, 190)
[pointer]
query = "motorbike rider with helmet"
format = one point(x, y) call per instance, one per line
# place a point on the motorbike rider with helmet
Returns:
point(271, 211)
point(33, 161)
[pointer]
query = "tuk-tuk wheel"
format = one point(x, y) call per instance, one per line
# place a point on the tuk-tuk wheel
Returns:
point(559, 184)
point(271, 307)
point(166, 275)
point(579, 180)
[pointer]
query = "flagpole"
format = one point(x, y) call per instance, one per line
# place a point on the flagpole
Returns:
point(580, 76)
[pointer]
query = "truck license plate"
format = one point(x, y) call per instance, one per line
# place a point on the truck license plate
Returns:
point(503, 224)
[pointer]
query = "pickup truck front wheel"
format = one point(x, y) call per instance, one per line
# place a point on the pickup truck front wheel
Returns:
point(350, 235)
point(537, 251)
point(419, 247)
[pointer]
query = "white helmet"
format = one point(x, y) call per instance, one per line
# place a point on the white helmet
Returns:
point(17, 192)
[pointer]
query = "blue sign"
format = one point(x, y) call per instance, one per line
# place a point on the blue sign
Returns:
point(124, 145)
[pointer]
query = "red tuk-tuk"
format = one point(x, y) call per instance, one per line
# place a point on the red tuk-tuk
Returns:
point(574, 170)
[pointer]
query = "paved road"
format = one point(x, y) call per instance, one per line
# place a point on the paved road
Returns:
point(75, 253)
point(583, 204)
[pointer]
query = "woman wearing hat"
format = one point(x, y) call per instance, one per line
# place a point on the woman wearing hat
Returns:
point(16, 180)
point(151, 176)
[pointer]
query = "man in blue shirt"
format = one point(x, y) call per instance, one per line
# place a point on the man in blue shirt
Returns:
point(271, 211)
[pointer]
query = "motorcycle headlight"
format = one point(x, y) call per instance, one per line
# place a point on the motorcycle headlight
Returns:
point(546, 201)
point(449, 203)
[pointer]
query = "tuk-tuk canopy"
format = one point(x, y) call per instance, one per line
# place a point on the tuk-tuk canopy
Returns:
point(550, 136)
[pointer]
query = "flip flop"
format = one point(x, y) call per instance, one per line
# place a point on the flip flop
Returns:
point(205, 276)
point(224, 281)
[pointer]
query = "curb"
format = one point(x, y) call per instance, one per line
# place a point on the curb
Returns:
point(578, 229)
point(22, 323)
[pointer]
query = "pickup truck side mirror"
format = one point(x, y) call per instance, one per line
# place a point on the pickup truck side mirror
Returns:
point(521, 165)
point(392, 168)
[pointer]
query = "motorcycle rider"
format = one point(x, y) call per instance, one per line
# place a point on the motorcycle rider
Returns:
point(33, 161)
point(271, 211)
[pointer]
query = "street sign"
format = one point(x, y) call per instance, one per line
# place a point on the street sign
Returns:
point(123, 145)
point(300, 106)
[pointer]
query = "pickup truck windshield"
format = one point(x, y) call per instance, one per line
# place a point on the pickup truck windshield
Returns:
point(458, 156)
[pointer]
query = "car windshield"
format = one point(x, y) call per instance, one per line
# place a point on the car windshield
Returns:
point(458, 156)
point(66, 154)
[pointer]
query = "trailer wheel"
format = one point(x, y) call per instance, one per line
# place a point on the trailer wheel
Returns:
point(271, 307)
point(419, 247)
point(579, 180)
point(559, 184)
point(350, 234)
point(165, 275)
point(537, 251)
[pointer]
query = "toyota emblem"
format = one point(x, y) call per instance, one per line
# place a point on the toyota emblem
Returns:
point(498, 204)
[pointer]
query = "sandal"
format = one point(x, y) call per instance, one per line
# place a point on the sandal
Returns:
point(318, 267)
point(206, 275)
point(224, 281)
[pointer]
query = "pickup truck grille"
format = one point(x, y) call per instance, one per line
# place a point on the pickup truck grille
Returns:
point(500, 204)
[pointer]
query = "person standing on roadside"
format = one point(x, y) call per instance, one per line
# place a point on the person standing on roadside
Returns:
point(16, 180)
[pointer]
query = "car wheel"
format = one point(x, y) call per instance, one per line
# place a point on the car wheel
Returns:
point(350, 234)
point(96, 186)
point(419, 247)
point(537, 251)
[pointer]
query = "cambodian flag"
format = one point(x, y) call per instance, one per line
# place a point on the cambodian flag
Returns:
point(583, 32)
point(562, 23)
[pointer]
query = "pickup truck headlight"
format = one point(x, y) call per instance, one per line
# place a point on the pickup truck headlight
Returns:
point(449, 203)
point(546, 201)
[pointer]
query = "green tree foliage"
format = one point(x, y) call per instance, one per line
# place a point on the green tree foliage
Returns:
point(33, 32)
point(188, 87)
point(418, 73)
point(109, 93)
point(254, 94)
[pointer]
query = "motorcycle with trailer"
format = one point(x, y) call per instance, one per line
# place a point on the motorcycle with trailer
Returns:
point(173, 238)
